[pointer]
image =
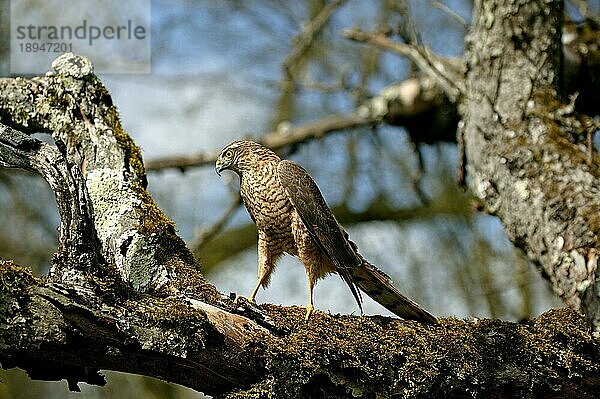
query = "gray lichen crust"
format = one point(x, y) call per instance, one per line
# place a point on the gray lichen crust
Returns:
point(74, 106)
point(522, 155)
point(70, 64)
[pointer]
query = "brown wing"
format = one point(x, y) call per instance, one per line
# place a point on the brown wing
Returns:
point(320, 222)
point(333, 241)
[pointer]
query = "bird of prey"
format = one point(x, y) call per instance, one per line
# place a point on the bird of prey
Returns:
point(292, 217)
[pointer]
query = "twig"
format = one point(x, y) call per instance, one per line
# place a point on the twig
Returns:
point(441, 6)
point(406, 28)
point(182, 162)
point(440, 70)
point(305, 39)
point(302, 43)
point(417, 178)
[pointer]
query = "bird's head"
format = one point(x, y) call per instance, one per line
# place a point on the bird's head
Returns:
point(243, 155)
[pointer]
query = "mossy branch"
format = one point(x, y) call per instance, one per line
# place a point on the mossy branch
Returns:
point(67, 331)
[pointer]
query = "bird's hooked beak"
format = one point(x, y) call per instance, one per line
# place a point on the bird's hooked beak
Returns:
point(221, 165)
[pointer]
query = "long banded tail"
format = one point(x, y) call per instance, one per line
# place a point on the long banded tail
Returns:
point(379, 286)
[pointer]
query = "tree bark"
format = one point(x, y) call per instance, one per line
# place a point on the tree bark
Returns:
point(68, 331)
point(56, 330)
point(73, 105)
point(526, 148)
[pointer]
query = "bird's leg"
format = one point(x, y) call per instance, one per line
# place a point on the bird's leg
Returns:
point(311, 257)
point(253, 295)
point(309, 306)
point(266, 262)
point(263, 278)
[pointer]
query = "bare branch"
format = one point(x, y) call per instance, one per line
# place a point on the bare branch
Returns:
point(275, 140)
point(444, 72)
point(297, 59)
point(414, 103)
point(209, 233)
point(461, 21)
point(407, 28)
point(305, 39)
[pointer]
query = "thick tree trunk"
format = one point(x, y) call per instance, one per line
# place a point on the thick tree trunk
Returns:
point(526, 148)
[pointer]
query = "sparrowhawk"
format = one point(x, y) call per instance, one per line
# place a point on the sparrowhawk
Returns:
point(292, 217)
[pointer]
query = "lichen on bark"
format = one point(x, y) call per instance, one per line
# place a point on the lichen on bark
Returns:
point(72, 104)
point(65, 330)
point(525, 145)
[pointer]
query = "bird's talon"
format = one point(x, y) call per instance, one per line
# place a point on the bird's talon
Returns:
point(238, 300)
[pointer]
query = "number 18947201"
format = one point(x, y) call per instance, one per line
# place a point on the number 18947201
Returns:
point(45, 47)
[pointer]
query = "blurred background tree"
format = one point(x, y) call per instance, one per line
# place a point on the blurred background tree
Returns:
point(232, 69)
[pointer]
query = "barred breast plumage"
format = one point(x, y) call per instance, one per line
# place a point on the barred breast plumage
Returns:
point(268, 205)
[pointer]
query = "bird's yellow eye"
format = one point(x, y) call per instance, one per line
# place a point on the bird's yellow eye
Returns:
point(228, 154)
